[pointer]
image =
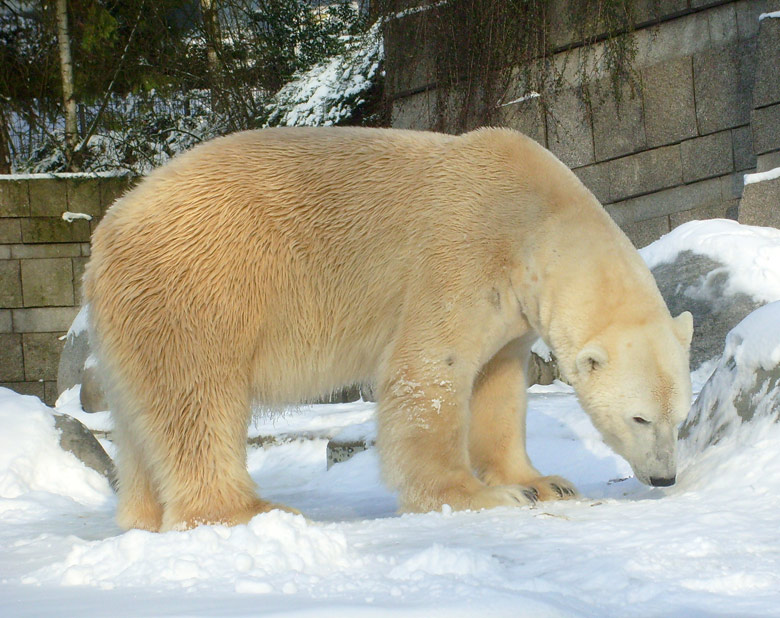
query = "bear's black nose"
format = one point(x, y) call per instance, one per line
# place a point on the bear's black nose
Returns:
point(661, 482)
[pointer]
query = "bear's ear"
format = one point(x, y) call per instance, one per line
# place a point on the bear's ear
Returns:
point(683, 328)
point(593, 356)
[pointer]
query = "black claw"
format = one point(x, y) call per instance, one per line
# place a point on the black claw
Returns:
point(531, 494)
point(558, 489)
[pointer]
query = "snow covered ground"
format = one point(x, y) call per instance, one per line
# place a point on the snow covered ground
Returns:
point(708, 546)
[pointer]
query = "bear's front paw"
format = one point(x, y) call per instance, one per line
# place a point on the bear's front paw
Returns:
point(553, 488)
point(501, 495)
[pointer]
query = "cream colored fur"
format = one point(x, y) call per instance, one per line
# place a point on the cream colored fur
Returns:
point(275, 266)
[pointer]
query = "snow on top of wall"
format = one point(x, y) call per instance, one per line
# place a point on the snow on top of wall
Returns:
point(762, 176)
point(750, 253)
point(773, 14)
point(65, 175)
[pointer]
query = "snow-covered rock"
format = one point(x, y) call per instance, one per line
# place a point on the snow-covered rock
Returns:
point(745, 387)
point(720, 271)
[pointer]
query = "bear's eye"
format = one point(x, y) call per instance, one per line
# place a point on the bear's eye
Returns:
point(641, 421)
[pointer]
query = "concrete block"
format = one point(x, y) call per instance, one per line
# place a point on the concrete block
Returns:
point(717, 210)
point(86, 249)
point(51, 230)
point(723, 84)
point(706, 157)
point(618, 126)
point(642, 233)
point(23, 252)
point(645, 172)
point(766, 90)
point(5, 252)
point(112, 189)
point(596, 178)
point(767, 161)
point(760, 204)
point(676, 39)
point(10, 230)
point(43, 319)
point(41, 355)
point(569, 133)
point(47, 282)
point(526, 116)
point(731, 186)
point(742, 144)
point(667, 202)
point(36, 389)
point(414, 112)
point(10, 284)
point(765, 123)
point(11, 358)
point(50, 393)
point(670, 111)
point(651, 10)
point(83, 195)
point(48, 197)
point(747, 17)
point(14, 198)
point(410, 61)
point(6, 324)
point(722, 22)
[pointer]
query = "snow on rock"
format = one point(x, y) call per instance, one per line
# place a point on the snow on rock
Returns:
point(751, 254)
point(32, 464)
point(329, 92)
point(745, 387)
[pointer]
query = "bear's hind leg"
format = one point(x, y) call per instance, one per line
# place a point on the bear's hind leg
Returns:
point(138, 503)
point(497, 431)
point(201, 444)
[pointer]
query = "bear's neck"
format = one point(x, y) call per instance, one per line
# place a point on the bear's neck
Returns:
point(581, 275)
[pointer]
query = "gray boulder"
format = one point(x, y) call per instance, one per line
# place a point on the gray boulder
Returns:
point(93, 398)
point(745, 386)
point(74, 353)
point(699, 284)
point(77, 439)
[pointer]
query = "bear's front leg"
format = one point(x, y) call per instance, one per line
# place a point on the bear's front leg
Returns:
point(497, 431)
point(423, 438)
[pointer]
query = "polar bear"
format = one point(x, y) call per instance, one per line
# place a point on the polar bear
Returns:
point(275, 266)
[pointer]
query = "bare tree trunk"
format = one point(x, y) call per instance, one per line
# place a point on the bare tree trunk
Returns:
point(5, 144)
point(66, 71)
point(208, 9)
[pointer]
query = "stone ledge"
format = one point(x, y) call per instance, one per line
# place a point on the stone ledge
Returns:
point(55, 250)
point(760, 204)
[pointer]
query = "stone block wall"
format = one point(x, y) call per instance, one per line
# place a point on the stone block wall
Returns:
point(706, 110)
point(42, 260)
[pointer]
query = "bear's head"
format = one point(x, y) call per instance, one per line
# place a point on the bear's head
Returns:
point(635, 384)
